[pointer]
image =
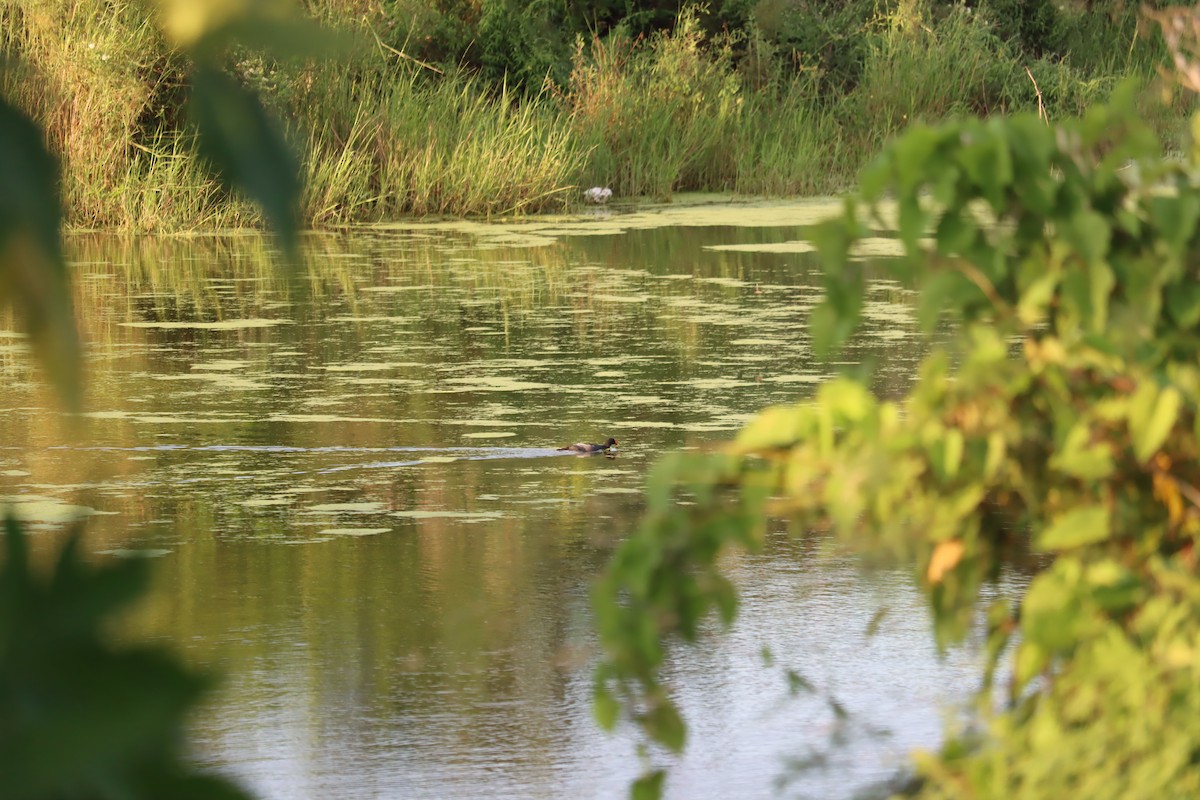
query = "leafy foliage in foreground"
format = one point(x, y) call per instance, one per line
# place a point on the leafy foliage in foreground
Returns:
point(1062, 416)
point(79, 716)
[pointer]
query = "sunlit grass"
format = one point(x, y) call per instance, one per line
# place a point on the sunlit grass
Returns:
point(381, 137)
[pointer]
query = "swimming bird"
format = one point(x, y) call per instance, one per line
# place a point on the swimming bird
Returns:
point(584, 447)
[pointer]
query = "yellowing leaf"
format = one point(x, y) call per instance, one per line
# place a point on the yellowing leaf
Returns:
point(1152, 414)
point(774, 427)
point(945, 558)
point(1166, 490)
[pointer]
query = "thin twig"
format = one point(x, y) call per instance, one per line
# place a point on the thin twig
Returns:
point(1042, 115)
point(402, 54)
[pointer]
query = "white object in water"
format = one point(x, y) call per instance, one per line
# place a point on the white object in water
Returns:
point(597, 194)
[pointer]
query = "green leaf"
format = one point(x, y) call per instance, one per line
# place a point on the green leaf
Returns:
point(989, 165)
point(605, 707)
point(1076, 528)
point(774, 427)
point(1080, 458)
point(913, 155)
point(648, 786)
point(1183, 303)
point(934, 296)
point(955, 232)
point(93, 719)
point(33, 275)
point(914, 220)
point(829, 328)
point(1152, 414)
point(1090, 234)
point(1031, 660)
point(280, 37)
point(952, 453)
point(848, 400)
point(665, 725)
point(248, 150)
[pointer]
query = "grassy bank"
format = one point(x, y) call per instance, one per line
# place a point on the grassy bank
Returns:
point(383, 133)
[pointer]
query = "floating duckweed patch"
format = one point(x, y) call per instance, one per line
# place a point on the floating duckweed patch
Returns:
point(641, 400)
point(685, 211)
point(492, 384)
point(353, 531)
point(382, 382)
point(759, 341)
point(798, 246)
point(880, 246)
point(49, 510)
point(218, 379)
point(221, 365)
point(369, 366)
point(459, 515)
point(621, 298)
point(715, 383)
point(346, 508)
point(136, 552)
point(324, 418)
point(224, 325)
point(735, 283)
point(397, 289)
point(814, 377)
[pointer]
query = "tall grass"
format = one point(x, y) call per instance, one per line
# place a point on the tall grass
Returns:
point(381, 137)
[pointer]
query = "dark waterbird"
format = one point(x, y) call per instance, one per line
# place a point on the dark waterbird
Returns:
point(584, 447)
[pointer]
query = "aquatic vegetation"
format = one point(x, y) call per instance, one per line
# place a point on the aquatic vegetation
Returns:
point(1055, 431)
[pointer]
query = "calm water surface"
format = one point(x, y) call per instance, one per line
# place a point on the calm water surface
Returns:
point(357, 513)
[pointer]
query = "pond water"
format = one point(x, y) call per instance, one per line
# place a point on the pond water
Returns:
point(351, 491)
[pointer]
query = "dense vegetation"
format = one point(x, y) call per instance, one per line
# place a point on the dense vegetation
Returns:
point(1061, 419)
point(501, 106)
point(1063, 416)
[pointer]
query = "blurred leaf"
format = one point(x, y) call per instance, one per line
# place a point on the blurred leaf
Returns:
point(1183, 302)
point(33, 276)
point(876, 621)
point(1030, 661)
point(80, 717)
point(1089, 233)
point(777, 426)
point(1076, 528)
point(280, 37)
point(663, 723)
point(1082, 459)
point(829, 328)
point(797, 683)
point(946, 556)
point(649, 786)
point(934, 297)
point(248, 150)
point(1152, 414)
point(955, 232)
point(605, 707)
